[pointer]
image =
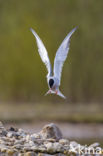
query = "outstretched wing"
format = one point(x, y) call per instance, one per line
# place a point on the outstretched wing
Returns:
point(42, 52)
point(61, 55)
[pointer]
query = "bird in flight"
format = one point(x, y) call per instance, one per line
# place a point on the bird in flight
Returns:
point(53, 78)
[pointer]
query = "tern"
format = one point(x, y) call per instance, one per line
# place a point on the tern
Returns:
point(53, 78)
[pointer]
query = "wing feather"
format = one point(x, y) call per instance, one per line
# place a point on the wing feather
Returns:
point(43, 52)
point(61, 55)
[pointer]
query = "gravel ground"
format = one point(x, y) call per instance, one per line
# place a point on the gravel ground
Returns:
point(48, 141)
point(69, 130)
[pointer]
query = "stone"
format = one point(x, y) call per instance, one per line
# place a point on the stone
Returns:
point(36, 136)
point(9, 134)
point(73, 143)
point(31, 143)
point(57, 146)
point(10, 151)
point(64, 141)
point(1, 125)
point(21, 154)
point(96, 144)
point(49, 141)
point(19, 142)
point(27, 137)
point(13, 129)
point(51, 131)
point(30, 154)
point(4, 133)
point(4, 149)
point(49, 147)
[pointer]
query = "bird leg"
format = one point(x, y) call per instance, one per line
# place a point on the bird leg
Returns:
point(56, 92)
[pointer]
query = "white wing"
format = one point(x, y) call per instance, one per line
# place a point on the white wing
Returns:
point(42, 52)
point(61, 55)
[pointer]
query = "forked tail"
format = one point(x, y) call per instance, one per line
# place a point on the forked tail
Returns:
point(58, 93)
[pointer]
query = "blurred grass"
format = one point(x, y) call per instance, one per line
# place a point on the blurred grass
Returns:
point(26, 112)
point(22, 74)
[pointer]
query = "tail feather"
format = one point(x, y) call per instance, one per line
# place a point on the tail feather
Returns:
point(53, 92)
point(60, 94)
point(49, 92)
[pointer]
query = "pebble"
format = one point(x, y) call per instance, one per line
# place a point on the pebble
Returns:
point(27, 137)
point(4, 149)
point(30, 154)
point(21, 154)
point(73, 143)
point(10, 151)
point(1, 125)
point(51, 131)
point(64, 141)
point(19, 142)
point(4, 133)
point(49, 141)
point(49, 147)
point(57, 146)
point(9, 134)
point(36, 136)
point(96, 144)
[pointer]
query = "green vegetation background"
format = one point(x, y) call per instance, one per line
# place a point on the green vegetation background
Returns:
point(22, 74)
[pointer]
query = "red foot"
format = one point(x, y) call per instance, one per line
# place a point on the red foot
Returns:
point(56, 92)
point(49, 91)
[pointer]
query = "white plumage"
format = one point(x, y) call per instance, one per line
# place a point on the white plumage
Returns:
point(42, 52)
point(61, 55)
